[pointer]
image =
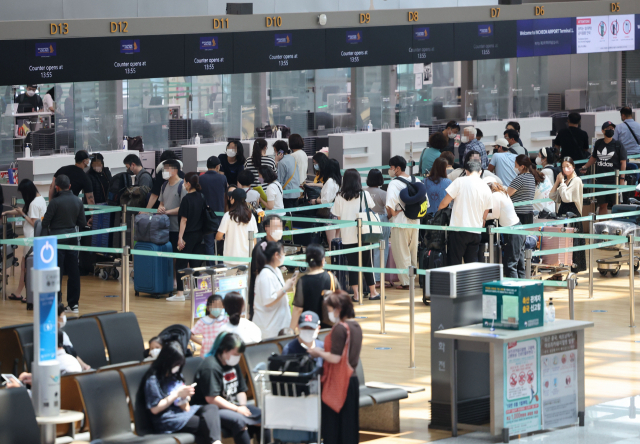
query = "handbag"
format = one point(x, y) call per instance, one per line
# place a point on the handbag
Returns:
point(370, 233)
point(210, 222)
point(335, 377)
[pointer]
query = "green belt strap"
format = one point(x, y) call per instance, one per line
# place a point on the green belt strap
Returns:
point(569, 235)
point(381, 167)
point(296, 257)
point(574, 249)
point(29, 240)
point(105, 211)
point(600, 193)
point(616, 215)
point(349, 268)
point(305, 208)
point(423, 227)
point(310, 230)
point(546, 283)
point(91, 249)
point(315, 219)
point(200, 257)
point(531, 202)
point(595, 176)
point(542, 224)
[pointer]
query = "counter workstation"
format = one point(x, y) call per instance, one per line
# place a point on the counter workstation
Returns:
point(535, 132)
point(356, 150)
point(592, 122)
point(397, 142)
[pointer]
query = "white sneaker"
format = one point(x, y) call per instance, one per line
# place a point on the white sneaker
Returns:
point(175, 298)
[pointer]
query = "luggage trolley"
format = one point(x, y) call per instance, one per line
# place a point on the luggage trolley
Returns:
point(283, 396)
point(613, 264)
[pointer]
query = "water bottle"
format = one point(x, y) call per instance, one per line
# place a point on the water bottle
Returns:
point(279, 133)
point(125, 143)
point(27, 150)
point(417, 124)
point(197, 139)
point(552, 311)
point(469, 118)
point(370, 127)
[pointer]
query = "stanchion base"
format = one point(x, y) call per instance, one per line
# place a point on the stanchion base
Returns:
point(505, 435)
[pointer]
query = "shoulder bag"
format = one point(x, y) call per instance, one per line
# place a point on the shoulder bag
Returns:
point(370, 233)
point(632, 133)
point(335, 377)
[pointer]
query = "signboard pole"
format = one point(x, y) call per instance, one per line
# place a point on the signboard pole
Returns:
point(4, 259)
point(45, 279)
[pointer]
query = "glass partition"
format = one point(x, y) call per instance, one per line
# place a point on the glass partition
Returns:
point(633, 93)
point(532, 86)
point(602, 85)
point(491, 79)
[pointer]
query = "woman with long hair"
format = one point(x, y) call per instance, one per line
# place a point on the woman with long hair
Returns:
point(546, 159)
point(34, 209)
point(235, 226)
point(523, 187)
point(168, 399)
point(271, 304)
point(437, 183)
point(234, 306)
point(352, 200)
point(258, 159)
point(232, 161)
point(340, 357)
point(374, 181)
point(273, 190)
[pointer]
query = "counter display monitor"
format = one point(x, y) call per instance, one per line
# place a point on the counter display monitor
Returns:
point(206, 54)
point(381, 45)
point(432, 43)
point(545, 37)
point(135, 57)
point(278, 51)
point(485, 40)
point(50, 61)
point(606, 33)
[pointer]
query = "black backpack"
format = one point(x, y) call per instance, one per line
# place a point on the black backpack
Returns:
point(414, 198)
point(118, 185)
point(436, 239)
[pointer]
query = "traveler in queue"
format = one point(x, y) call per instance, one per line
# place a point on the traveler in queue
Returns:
point(374, 181)
point(258, 159)
point(214, 187)
point(64, 213)
point(448, 156)
point(628, 132)
point(159, 180)
point(77, 177)
point(133, 164)
point(235, 307)
point(547, 159)
point(273, 190)
point(469, 157)
point(609, 155)
point(235, 226)
point(245, 179)
point(503, 161)
point(471, 144)
point(513, 125)
point(30, 100)
point(308, 324)
point(573, 140)
point(340, 423)
point(437, 183)
point(288, 174)
point(100, 176)
point(567, 190)
point(232, 161)
point(438, 143)
point(296, 144)
point(523, 187)
point(512, 138)
point(451, 130)
point(471, 203)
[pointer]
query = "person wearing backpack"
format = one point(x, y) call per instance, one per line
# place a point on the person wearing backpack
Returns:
point(170, 197)
point(404, 241)
point(134, 168)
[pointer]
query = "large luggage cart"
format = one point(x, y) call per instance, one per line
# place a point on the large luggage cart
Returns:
point(283, 396)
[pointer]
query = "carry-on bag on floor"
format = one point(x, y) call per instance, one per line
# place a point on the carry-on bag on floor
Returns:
point(391, 263)
point(153, 228)
point(153, 275)
point(553, 243)
point(432, 259)
point(341, 259)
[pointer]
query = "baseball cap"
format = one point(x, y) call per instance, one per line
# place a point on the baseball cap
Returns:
point(502, 142)
point(213, 162)
point(308, 319)
point(238, 195)
point(607, 124)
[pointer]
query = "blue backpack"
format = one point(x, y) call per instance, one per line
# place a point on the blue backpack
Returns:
point(414, 197)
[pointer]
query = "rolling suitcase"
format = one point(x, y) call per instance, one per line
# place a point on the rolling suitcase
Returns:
point(153, 275)
point(341, 275)
point(552, 243)
point(432, 259)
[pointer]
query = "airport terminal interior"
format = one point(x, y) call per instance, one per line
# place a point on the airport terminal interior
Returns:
point(449, 352)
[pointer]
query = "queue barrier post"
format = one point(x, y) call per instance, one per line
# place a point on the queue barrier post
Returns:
point(251, 234)
point(382, 290)
point(123, 221)
point(491, 246)
point(4, 259)
point(125, 279)
point(360, 287)
point(591, 255)
point(571, 285)
point(527, 263)
point(617, 183)
point(412, 317)
point(133, 229)
point(14, 201)
point(632, 296)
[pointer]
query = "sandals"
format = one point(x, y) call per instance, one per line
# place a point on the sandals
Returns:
point(13, 297)
point(354, 299)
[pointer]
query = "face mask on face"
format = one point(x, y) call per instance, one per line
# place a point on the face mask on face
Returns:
point(307, 336)
point(98, 169)
point(567, 171)
point(155, 352)
point(281, 263)
point(166, 175)
point(608, 133)
point(231, 153)
point(64, 321)
point(217, 312)
point(316, 167)
point(392, 173)
point(332, 317)
point(464, 139)
point(452, 136)
point(276, 235)
point(233, 360)
point(538, 161)
point(175, 369)
point(260, 180)
point(30, 93)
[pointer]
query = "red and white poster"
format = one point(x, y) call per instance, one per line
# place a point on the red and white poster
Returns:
point(559, 375)
point(522, 386)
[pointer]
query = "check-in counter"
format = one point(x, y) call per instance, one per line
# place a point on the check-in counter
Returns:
point(535, 132)
point(356, 150)
point(592, 122)
point(397, 142)
point(194, 157)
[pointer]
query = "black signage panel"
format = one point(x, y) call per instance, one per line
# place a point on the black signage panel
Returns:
point(278, 50)
point(432, 43)
point(140, 57)
point(49, 61)
point(485, 40)
point(206, 54)
point(379, 45)
point(12, 62)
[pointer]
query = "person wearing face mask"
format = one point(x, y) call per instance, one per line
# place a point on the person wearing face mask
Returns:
point(220, 383)
point(245, 179)
point(234, 306)
point(133, 164)
point(296, 143)
point(66, 341)
point(209, 326)
point(472, 156)
point(512, 137)
point(544, 188)
point(273, 190)
point(64, 214)
point(523, 187)
point(100, 176)
point(159, 180)
point(167, 398)
point(312, 287)
point(503, 161)
point(288, 172)
point(273, 228)
point(438, 143)
point(77, 177)
point(232, 161)
point(29, 101)
point(573, 140)
point(258, 159)
point(155, 345)
point(271, 304)
point(609, 155)
point(567, 190)
point(235, 226)
point(214, 187)
point(472, 144)
point(308, 328)
point(67, 362)
point(341, 353)
point(450, 132)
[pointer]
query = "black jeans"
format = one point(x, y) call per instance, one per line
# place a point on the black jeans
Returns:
point(352, 260)
point(193, 245)
point(343, 427)
point(68, 263)
point(240, 426)
point(525, 218)
point(205, 424)
point(463, 245)
point(513, 250)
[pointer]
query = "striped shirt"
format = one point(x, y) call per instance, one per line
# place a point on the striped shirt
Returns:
point(525, 186)
point(265, 161)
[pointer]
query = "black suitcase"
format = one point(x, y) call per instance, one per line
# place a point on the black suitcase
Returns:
point(341, 275)
point(432, 259)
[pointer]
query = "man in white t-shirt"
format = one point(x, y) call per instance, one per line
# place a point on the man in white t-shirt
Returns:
point(471, 204)
point(404, 241)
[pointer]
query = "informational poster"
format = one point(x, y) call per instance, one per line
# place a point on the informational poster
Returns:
point(200, 295)
point(544, 37)
point(432, 43)
point(375, 46)
point(206, 54)
point(559, 376)
point(622, 32)
point(522, 386)
point(228, 284)
point(592, 34)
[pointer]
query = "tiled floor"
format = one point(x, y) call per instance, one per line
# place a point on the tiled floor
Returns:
point(614, 422)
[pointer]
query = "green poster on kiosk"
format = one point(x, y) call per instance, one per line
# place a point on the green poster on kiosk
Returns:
point(522, 407)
